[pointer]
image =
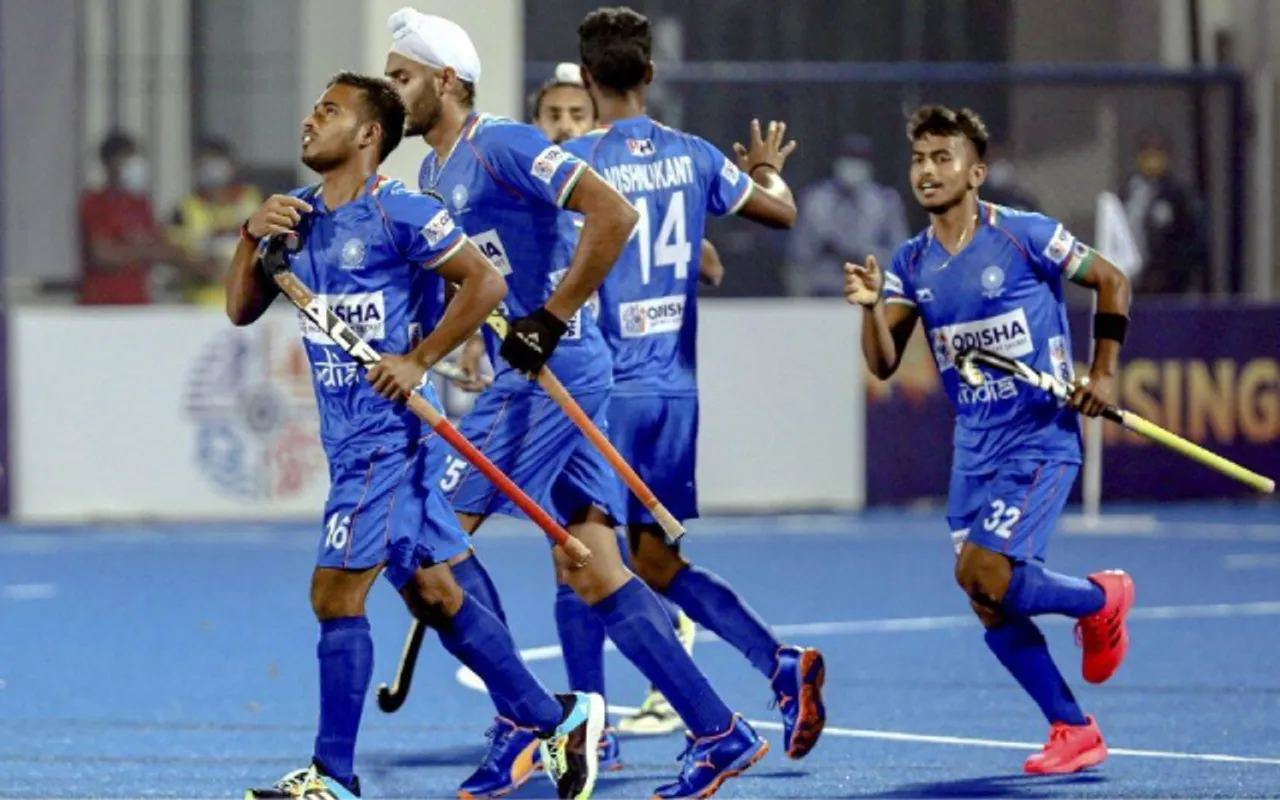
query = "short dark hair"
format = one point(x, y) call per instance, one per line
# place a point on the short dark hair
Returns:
point(115, 144)
point(616, 46)
point(938, 120)
point(381, 103)
point(535, 99)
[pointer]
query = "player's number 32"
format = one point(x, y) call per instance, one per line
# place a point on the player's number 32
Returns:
point(1002, 519)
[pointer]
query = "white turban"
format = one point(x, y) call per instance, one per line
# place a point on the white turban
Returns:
point(568, 72)
point(434, 41)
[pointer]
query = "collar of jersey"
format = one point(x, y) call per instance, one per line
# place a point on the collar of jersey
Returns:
point(986, 216)
point(371, 187)
point(468, 131)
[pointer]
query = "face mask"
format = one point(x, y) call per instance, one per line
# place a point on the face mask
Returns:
point(134, 175)
point(853, 171)
point(214, 173)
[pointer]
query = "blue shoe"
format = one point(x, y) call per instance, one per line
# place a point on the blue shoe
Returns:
point(610, 751)
point(797, 685)
point(312, 782)
point(571, 755)
point(507, 765)
point(711, 761)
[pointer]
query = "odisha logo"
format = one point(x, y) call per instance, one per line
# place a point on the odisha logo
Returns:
point(250, 397)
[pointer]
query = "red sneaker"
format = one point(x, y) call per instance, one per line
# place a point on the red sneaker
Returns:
point(1070, 748)
point(1103, 635)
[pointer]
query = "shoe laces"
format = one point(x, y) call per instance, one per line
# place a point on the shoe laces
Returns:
point(1057, 734)
point(498, 734)
point(296, 783)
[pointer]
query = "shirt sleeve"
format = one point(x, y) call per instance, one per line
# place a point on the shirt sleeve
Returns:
point(1054, 251)
point(728, 188)
point(523, 158)
point(897, 288)
point(423, 229)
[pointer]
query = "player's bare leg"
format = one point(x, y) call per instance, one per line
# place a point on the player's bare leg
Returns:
point(1005, 594)
point(528, 714)
point(346, 668)
point(796, 674)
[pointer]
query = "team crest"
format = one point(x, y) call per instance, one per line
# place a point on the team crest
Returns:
point(459, 197)
point(992, 282)
point(633, 321)
point(353, 254)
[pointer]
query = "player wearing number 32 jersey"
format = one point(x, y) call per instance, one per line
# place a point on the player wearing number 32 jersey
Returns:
point(987, 277)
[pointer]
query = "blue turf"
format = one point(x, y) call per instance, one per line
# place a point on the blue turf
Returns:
point(178, 661)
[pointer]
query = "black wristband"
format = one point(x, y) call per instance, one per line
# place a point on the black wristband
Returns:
point(554, 324)
point(1107, 325)
point(244, 231)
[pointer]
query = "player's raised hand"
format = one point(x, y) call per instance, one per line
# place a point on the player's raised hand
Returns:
point(1093, 394)
point(863, 284)
point(765, 150)
point(279, 213)
point(396, 377)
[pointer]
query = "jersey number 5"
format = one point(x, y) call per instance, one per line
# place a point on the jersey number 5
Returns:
point(670, 248)
point(1002, 519)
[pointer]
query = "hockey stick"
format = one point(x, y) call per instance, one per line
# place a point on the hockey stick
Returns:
point(970, 362)
point(555, 389)
point(276, 263)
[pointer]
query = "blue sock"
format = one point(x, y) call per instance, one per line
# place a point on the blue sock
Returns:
point(476, 638)
point(714, 605)
point(1034, 590)
point(346, 668)
point(673, 611)
point(1021, 648)
point(639, 627)
point(475, 581)
point(582, 640)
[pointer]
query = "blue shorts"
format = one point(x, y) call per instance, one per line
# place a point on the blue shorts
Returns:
point(658, 437)
point(529, 438)
point(1011, 510)
point(383, 507)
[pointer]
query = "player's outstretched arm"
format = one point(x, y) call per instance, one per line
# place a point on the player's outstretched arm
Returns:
point(1110, 323)
point(886, 329)
point(607, 224)
point(771, 202)
point(249, 290)
point(710, 267)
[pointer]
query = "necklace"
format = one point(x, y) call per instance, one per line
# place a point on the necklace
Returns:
point(959, 244)
point(437, 169)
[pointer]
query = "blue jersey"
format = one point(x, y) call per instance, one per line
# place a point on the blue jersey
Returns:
point(1003, 292)
point(370, 261)
point(648, 310)
point(506, 185)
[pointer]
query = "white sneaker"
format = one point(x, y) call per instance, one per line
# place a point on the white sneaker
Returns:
point(656, 717)
point(686, 631)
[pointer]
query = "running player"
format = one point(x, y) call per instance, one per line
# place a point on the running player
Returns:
point(563, 109)
point(368, 246)
point(649, 318)
point(508, 185)
point(983, 275)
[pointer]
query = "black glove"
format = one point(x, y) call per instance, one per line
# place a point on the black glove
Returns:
point(531, 340)
point(275, 250)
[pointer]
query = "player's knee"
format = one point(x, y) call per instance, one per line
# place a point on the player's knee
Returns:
point(989, 617)
point(339, 593)
point(433, 595)
point(655, 562)
point(983, 575)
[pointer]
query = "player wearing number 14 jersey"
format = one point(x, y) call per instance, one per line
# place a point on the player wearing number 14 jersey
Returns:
point(649, 318)
point(988, 277)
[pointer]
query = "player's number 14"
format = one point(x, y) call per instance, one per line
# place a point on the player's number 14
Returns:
point(670, 248)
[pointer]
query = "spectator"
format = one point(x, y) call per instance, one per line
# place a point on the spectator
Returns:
point(207, 222)
point(1001, 186)
point(122, 239)
point(1165, 218)
point(845, 217)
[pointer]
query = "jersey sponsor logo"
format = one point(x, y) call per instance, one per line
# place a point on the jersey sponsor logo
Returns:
point(440, 226)
point(924, 296)
point(730, 172)
point(253, 414)
point(547, 162)
point(353, 255)
point(991, 391)
point(641, 148)
point(651, 317)
point(1007, 334)
point(1059, 245)
point(333, 371)
point(892, 283)
point(1060, 359)
point(992, 282)
point(491, 245)
point(365, 313)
